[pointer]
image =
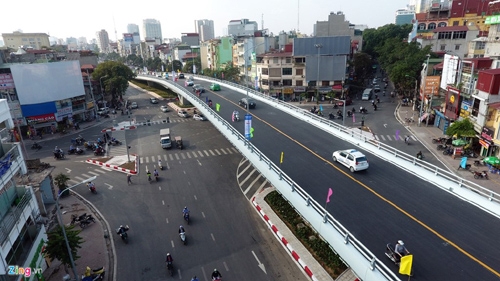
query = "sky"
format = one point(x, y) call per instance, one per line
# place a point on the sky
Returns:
point(64, 19)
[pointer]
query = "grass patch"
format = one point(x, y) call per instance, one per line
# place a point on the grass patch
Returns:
point(155, 88)
point(183, 105)
point(130, 165)
point(320, 250)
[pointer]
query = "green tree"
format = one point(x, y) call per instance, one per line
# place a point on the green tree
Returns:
point(462, 128)
point(177, 65)
point(374, 38)
point(61, 181)
point(56, 245)
point(362, 64)
point(115, 77)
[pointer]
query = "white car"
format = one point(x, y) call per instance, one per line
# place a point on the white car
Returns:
point(188, 83)
point(164, 108)
point(352, 159)
point(134, 105)
point(183, 114)
point(366, 96)
point(199, 117)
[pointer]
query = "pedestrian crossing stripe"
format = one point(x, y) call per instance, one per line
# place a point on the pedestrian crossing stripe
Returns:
point(159, 122)
point(189, 155)
point(392, 138)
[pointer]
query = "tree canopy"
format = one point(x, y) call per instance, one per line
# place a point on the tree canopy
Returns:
point(462, 128)
point(56, 245)
point(115, 76)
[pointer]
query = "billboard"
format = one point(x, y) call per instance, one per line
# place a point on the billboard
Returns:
point(128, 37)
point(6, 81)
point(431, 86)
point(450, 71)
point(47, 82)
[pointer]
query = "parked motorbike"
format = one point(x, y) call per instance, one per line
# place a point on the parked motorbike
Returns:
point(469, 153)
point(467, 167)
point(442, 147)
point(36, 146)
point(482, 175)
point(86, 221)
point(94, 274)
point(448, 151)
point(122, 231)
point(389, 252)
point(440, 140)
point(479, 162)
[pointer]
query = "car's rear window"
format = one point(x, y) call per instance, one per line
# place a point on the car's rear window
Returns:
point(361, 159)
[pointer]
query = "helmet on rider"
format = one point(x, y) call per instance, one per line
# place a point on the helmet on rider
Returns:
point(400, 242)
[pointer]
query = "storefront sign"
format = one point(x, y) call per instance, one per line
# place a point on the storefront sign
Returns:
point(299, 89)
point(6, 81)
point(484, 144)
point(42, 118)
point(487, 133)
point(288, 91)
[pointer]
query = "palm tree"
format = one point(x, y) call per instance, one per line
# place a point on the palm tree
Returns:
point(61, 181)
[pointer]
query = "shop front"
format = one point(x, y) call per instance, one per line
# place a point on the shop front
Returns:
point(78, 108)
point(299, 93)
point(287, 93)
point(40, 118)
point(488, 148)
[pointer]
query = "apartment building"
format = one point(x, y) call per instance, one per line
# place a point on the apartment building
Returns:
point(18, 39)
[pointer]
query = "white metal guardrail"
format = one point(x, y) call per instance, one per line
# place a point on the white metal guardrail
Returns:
point(366, 265)
point(476, 194)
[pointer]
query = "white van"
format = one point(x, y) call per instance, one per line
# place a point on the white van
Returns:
point(367, 94)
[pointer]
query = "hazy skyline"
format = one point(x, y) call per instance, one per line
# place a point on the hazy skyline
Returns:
point(62, 20)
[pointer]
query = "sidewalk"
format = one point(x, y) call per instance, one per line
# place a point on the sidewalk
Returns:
point(97, 249)
point(425, 134)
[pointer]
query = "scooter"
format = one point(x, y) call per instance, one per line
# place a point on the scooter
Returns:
point(79, 151)
point(389, 252)
point(482, 175)
point(237, 117)
point(479, 163)
point(182, 235)
point(448, 151)
point(94, 274)
point(442, 147)
point(440, 140)
point(99, 151)
point(58, 155)
point(92, 188)
point(186, 218)
point(86, 221)
point(160, 166)
point(36, 146)
point(122, 231)
point(170, 268)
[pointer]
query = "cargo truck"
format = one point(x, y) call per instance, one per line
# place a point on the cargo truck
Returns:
point(165, 140)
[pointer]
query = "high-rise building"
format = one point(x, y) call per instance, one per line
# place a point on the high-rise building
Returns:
point(241, 28)
point(404, 16)
point(205, 28)
point(103, 41)
point(132, 27)
point(151, 29)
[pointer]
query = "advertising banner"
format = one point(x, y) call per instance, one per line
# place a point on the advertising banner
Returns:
point(248, 125)
point(41, 118)
point(6, 81)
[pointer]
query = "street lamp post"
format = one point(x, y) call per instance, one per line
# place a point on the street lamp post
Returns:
point(343, 113)
point(92, 95)
point(318, 46)
point(62, 224)
point(423, 92)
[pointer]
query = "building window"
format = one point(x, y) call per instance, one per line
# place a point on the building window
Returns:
point(299, 71)
point(457, 47)
point(444, 35)
point(480, 45)
point(443, 47)
point(475, 107)
point(288, 60)
point(287, 82)
point(300, 60)
point(265, 71)
point(459, 34)
point(25, 39)
point(432, 25)
point(455, 23)
point(299, 83)
point(275, 60)
point(442, 24)
point(287, 71)
point(421, 26)
point(265, 82)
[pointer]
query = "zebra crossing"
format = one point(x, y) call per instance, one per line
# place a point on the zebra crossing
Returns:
point(163, 121)
point(393, 138)
point(117, 150)
point(250, 179)
point(183, 155)
point(88, 174)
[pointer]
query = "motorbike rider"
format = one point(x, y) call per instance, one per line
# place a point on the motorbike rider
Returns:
point(169, 260)
point(194, 278)
point(122, 229)
point(90, 185)
point(407, 139)
point(155, 173)
point(149, 175)
point(216, 274)
point(181, 229)
point(419, 155)
point(185, 211)
point(159, 163)
point(71, 148)
point(400, 249)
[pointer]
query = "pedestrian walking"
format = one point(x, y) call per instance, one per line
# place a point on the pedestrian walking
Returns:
point(129, 179)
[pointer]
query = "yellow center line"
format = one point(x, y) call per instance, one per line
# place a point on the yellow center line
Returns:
point(374, 192)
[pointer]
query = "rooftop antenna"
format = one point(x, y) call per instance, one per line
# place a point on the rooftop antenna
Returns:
point(262, 22)
point(116, 33)
point(298, 16)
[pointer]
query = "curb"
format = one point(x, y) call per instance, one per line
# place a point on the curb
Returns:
point(284, 241)
point(116, 168)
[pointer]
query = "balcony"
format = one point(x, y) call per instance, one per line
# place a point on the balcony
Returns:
point(10, 162)
point(20, 210)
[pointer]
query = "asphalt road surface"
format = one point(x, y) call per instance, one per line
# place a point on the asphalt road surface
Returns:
point(224, 232)
point(450, 239)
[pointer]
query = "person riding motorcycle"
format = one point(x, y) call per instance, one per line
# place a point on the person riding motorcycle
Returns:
point(159, 164)
point(71, 148)
point(185, 211)
point(155, 173)
point(216, 275)
point(194, 278)
point(181, 229)
point(400, 249)
point(419, 155)
point(149, 175)
point(169, 260)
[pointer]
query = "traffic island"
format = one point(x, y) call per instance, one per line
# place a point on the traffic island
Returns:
point(117, 163)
